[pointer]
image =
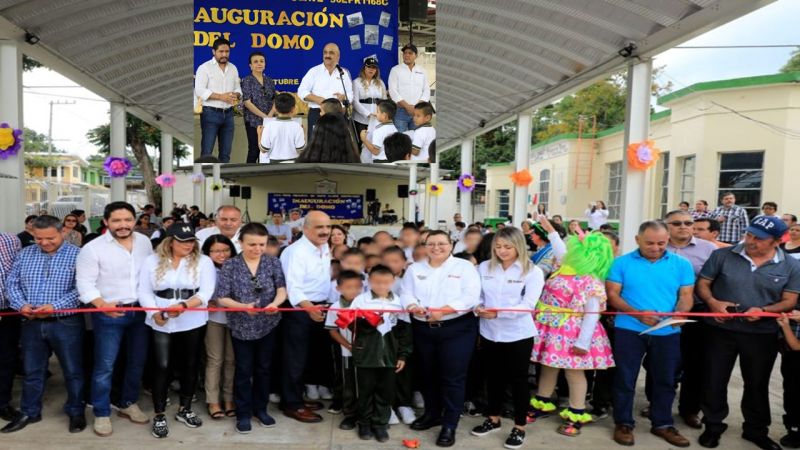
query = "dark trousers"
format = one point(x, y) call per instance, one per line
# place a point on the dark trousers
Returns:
point(404, 380)
point(252, 143)
point(629, 349)
point(344, 385)
point(9, 352)
point(319, 365)
point(359, 128)
point(313, 117)
point(790, 368)
point(253, 361)
point(693, 352)
point(507, 364)
point(477, 375)
point(64, 337)
point(602, 381)
point(756, 353)
point(216, 125)
point(183, 350)
point(444, 356)
point(375, 395)
point(298, 329)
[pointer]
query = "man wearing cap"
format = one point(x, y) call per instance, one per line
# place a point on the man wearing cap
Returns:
point(325, 81)
point(752, 277)
point(408, 85)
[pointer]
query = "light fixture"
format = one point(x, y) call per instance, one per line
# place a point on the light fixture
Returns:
point(627, 51)
point(31, 38)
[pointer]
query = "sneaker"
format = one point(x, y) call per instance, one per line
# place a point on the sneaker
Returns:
point(335, 408)
point(134, 414)
point(102, 426)
point(274, 398)
point(325, 393)
point(188, 417)
point(407, 415)
point(312, 392)
point(393, 420)
point(599, 413)
point(265, 420)
point(160, 428)
point(515, 439)
point(471, 410)
point(485, 428)
point(243, 426)
point(418, 402)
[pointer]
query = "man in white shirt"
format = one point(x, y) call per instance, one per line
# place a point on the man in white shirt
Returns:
point(408, 85)
point(227, 222)
point(296, 221)
point(107, 276)
point(307, 268)
point(217, 85)
point(325, 81)
point(280, 230)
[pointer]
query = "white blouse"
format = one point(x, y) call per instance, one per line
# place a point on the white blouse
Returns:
point(509, 289)
point(455, 283)
point(361, 111)
point(203, 278)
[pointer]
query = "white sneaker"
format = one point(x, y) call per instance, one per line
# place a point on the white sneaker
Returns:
point(325, 393)
point(393, 420)
point(418, 402)
point(274, 398)
point(406, 414)
point(312, 392)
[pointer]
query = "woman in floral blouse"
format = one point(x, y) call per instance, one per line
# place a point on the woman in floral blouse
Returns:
point(258, 93)
point(253, 281)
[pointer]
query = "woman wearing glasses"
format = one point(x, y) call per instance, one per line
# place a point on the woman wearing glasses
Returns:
point(252, 281)
point(177, 277)
point(440, 293)
point(71, 235)
point(219, 347)
point(258, 93)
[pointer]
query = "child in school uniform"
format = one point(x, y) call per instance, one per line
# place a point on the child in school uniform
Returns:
point(373, 140)
point(380, 350)
point(352, 259)
point(349, 284)
point(282, 138)
point(424, 133)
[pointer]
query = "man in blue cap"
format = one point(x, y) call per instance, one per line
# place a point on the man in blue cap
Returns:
point(752, 277)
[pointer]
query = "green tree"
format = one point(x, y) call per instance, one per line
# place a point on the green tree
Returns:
point(493, 146)
point(793, 64)
point(37, 142)
point(139, 134)
point(29, 63)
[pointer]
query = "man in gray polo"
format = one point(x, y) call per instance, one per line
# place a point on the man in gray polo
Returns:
point(751, 277)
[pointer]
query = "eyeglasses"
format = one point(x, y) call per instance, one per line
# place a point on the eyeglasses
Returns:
point(436, 244)
point(257, 288)
point(677, 223)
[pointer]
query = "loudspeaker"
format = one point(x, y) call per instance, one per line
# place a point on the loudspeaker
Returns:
point(402, 191)
point(246, 193)
point(371, 195)
point(414, 10)
point(235, 191)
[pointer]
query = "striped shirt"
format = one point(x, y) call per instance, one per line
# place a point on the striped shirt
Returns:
point(9, 247)
point(732, 228)
point(38, 278)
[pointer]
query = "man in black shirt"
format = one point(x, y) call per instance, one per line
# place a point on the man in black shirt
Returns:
point(25, 237)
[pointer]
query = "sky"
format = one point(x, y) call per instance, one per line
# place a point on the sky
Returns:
point(773, 24)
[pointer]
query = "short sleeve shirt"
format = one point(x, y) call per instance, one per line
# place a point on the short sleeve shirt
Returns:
point(283, 137)
point(382, 131)
point(423, 136)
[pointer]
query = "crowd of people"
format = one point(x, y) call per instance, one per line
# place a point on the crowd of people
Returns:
point(348, 120)
point(446, 323)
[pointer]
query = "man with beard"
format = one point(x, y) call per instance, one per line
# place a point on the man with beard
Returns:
point(307, 268)
point(408, 85)
point(217, 85)
point(322, 82)
point(107, 276)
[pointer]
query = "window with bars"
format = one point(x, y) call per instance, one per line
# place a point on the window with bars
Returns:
point(503, 202)
point(544, 189)
point(742, 174)
point(614, 189)
point(687, 179)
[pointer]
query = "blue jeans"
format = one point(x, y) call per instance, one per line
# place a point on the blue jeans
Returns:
point(64, 336)
point(108, 335)
point(665, 359)
point(403, 121)
point(217, 125)
point(253, 361)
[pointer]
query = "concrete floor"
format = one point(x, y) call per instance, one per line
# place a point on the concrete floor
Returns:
point(289, 434)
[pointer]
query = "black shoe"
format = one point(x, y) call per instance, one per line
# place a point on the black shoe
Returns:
point(160, 428)
point(381, 435)
point(243, 425)
point(792, 439)
point(77, 423)
point(762, 442)
point(365, 432)
point(349, 423)
point(425, 422)
point(19, 423)
point(485, 428)
point(9, 413)
point(265, 419)
point(709, 439)
point(515, 439)
point(447, 437)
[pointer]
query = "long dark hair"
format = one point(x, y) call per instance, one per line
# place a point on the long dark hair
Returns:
point(331, 142)
point(217, 239)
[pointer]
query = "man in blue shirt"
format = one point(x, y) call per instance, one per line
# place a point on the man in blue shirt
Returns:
point(649, 279)
point(41, 283)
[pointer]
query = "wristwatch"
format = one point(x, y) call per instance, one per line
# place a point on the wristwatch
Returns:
point(164, 315)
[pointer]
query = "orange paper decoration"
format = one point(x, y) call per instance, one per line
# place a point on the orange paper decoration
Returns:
point(522, 177)
point(643, 155)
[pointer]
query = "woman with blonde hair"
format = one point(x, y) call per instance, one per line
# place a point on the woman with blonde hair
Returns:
point(368, 88)
point(509, 281)
point(71, 235)
point(177, 277)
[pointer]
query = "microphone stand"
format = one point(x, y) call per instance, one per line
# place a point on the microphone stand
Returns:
point(348, 114)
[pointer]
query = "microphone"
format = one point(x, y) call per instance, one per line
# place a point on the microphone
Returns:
point(339, 68)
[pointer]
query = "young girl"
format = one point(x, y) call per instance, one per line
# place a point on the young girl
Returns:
point(566, 320)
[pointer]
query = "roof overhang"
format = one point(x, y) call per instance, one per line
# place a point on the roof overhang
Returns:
point(238, 171)
point(498, 59)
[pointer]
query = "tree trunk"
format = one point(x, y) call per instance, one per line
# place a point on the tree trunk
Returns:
point(145, 165)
